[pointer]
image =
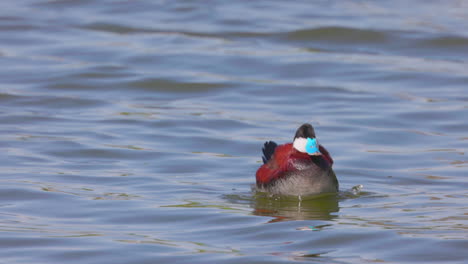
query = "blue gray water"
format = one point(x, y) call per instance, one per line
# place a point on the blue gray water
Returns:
point(130, 131)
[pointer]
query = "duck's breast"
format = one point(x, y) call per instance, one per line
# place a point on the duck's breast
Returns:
point(305, 182)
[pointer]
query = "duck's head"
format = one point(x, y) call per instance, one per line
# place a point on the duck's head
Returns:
point(305, 141)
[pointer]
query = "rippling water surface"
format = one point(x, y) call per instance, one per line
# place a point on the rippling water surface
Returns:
point(131, 130)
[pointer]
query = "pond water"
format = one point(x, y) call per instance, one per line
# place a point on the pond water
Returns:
point(131, 130)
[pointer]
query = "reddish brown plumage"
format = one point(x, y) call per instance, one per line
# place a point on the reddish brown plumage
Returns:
point(290, 169)
point(283, 160)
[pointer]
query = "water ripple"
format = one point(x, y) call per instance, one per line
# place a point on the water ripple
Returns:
point(137, 126)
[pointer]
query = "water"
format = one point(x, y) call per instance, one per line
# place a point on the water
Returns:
point(131, 130)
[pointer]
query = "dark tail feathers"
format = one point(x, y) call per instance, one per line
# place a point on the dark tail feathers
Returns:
point(268, 150)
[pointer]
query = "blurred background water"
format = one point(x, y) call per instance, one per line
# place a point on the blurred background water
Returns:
point(130, 131)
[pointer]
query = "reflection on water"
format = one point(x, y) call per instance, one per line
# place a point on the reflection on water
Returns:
point(287, 208)
point(284, 208)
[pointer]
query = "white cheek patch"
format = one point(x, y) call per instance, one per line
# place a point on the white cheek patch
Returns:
point(300, 144)
point(307, 145)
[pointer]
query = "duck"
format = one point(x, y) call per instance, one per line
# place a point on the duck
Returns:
point(300, 168)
